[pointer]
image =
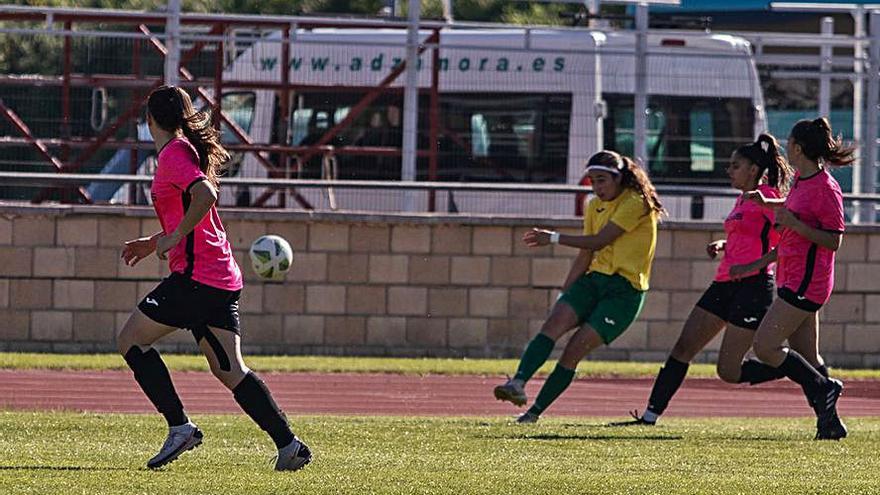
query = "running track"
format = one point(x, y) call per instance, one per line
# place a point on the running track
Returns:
point(385, 394)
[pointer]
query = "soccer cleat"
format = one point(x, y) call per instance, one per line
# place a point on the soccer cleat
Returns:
point(832, 428)
point(636, 421)
point(527, 418)
point(512, 391)
point(180, 439)
point(293, 457)
point(825, 404)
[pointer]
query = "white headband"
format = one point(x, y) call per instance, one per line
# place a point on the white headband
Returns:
point(603, 168)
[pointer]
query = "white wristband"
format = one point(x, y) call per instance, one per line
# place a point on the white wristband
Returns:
point(554, 237)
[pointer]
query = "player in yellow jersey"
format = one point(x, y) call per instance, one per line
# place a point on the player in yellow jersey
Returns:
point(605, 288)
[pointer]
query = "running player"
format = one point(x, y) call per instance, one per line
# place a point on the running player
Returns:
point(743, 287)
point(605, 288)
point(202, 292)
point(813, 224)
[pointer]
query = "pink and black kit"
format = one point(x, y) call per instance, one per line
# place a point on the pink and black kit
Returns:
point(805, 270)
point(205, 282)
point(750, 235)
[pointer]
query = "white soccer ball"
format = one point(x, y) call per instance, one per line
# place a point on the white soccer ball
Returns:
point(271, 257)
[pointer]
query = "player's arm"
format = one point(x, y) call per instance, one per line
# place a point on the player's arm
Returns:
point(827, 239)
point(539, 237)
point(202, 198)
point(138, 249)
point(737, 271)
point(578, 267)
point(824, 238)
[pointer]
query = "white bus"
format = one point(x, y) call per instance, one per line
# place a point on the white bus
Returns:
point(515, 105)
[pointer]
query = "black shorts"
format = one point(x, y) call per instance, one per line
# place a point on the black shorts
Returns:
point(798, 301)
point(742, 303)
point(181, 302)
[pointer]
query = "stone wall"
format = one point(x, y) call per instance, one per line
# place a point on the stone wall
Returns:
point(378, 285)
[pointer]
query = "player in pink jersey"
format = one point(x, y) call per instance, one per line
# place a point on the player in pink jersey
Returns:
point(743, 287)
point(202, 292)
point(812, 221)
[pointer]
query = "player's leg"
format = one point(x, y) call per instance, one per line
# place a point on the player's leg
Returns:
point(699, 329)
point(562, 319)
point(783, 320)
point(135, 344)
point(805, 340)
point(736, 343)
point(617, 307)
point(750, 303)
point(584, 340)
point(221, 345)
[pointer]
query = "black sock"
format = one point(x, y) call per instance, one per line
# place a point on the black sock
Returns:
point(755, 372)
point(256, 400)
point(152, 375)
point(823, 370)
point(799, 370)
point(668, 380)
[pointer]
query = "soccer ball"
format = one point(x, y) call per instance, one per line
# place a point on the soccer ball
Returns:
point(271, 257)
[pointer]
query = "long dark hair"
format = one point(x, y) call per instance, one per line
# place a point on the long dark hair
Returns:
point(633, 177)
point(764, 153)
point(172, 109)
point(817, 141)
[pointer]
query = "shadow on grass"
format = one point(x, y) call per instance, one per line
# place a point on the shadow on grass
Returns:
point(60, 468)
point(554, 436)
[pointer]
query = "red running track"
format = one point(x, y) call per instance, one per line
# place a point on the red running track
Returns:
point(386, 394)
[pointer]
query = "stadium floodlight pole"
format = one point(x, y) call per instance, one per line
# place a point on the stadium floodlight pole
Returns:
point(411, 102)
point(172, 43)
point(640, 101)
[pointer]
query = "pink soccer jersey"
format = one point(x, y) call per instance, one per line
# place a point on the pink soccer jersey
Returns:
point(805, 268)
point(205, 254)
point(750, 235)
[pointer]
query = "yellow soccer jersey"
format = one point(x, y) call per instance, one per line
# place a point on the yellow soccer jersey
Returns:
point(631, 254)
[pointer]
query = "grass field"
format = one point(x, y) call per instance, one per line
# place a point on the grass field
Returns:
point(70, 453)
point(332, 364)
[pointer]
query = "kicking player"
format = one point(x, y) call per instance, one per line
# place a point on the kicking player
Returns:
point(605, 288)
point(813, 223)
point(203, 290)
point(743, 287)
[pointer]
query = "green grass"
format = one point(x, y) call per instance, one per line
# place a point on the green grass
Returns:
point(333, 364)
point(71, 453)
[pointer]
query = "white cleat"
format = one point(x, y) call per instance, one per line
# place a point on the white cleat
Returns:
point(180, 439)
point(293, 457)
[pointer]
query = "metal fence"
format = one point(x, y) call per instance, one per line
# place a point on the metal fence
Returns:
point(497, 104)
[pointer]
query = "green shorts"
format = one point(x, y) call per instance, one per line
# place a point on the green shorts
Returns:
point(608, 303)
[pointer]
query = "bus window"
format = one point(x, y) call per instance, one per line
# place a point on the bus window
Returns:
point(702, 149)
point(300, 125)
point(240, 108)
point(688, 138)
point(479, 136)
point(518, 137)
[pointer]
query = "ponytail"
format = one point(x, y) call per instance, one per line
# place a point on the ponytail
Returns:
point(636, 178)
point(206, 139)
point(764, 153)
point(819, 143)
point(172, 110)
